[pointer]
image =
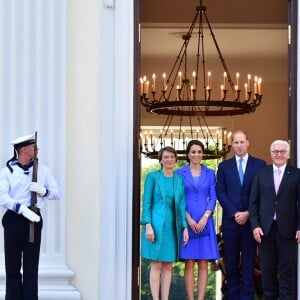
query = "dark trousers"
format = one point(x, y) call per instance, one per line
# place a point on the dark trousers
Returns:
point(240, 252)
point(278, 262)
point(20, 253)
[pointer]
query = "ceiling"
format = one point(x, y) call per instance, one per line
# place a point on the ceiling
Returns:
point(254, 12)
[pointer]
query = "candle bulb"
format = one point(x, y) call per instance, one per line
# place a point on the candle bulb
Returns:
point(179, 79)
point(144, 85)
point(194, 79)
point(237, 80)
point(146, 141)
point(147, 88)
point(164, 82)
point(255, 85)
point(228, 138)
point(209, 79)
point(141, 86)
point(246, 91)
point(153, 82)
point(222, 91)
point(259, 86)
point(224, 137)
point(225, 79)
point(249, 83)
point(177, 92)
point(207, 92)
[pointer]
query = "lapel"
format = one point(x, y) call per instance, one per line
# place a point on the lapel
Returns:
point(188, 175)
point(268, 177)
point(235, 172)
point(186, 171)
point(176, 185)
point(248, 168)
point(161, 183)
point(286, 175)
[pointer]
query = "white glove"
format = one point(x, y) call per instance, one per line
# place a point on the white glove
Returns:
point(29, 214)
point(35, 187)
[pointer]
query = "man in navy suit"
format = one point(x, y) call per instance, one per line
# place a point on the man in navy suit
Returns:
point(234, 181)
point(275, 220)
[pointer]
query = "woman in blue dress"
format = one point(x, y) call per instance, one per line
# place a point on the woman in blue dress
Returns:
point(164, 222)
point(199, 182)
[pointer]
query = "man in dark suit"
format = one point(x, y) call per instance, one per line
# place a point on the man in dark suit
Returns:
point(275, 220)
point(234, 181)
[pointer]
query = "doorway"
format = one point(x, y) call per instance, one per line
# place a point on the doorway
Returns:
point(157, 25)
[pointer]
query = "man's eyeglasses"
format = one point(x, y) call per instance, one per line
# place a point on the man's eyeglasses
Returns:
point(276, 152)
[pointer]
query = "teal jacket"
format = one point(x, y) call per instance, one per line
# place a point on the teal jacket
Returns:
point(154, 211)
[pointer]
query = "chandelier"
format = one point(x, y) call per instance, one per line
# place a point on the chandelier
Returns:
point(195, 93)
point(188, 95)
point(216, 140)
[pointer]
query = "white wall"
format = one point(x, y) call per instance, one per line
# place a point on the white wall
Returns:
point(66, 71)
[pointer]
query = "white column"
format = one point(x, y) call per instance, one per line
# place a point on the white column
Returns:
point(33, 98)
point(116, 159)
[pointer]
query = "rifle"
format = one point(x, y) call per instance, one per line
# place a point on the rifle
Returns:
point(33, 199)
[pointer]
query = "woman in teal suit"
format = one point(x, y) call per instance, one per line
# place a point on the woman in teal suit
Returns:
point(164, 222)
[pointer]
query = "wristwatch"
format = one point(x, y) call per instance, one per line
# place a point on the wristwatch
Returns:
point(206, 215)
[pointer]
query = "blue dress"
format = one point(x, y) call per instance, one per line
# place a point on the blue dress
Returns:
point(200, 195)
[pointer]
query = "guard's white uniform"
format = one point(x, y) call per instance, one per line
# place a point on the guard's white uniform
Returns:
point(14, 186)
point(19, 252)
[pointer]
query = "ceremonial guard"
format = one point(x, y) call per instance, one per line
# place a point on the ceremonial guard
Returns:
point(24, 186)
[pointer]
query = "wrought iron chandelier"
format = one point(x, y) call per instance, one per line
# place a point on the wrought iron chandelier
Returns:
point(216, 140)
point(189, 97)
point(193, 94)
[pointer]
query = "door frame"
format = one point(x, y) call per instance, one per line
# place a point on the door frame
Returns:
point(292, 127)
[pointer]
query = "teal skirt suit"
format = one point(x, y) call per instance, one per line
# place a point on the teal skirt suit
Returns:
point(165, 209)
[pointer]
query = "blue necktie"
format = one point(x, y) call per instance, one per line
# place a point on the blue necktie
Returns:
point(241, 173)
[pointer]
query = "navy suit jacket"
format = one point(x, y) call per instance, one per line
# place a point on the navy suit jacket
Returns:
point(233, 196)
point(264, 201)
